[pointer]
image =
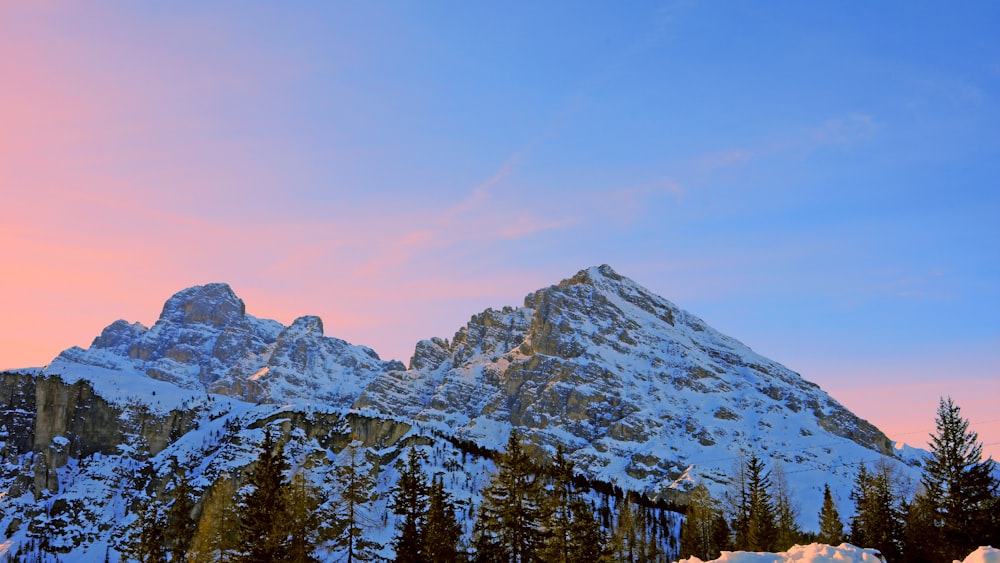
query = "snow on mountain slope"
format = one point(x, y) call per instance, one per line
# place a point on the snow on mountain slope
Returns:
point(205, 341)
point(642, 393)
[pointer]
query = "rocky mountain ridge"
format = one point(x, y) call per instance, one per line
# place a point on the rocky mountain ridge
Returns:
point(640, 393)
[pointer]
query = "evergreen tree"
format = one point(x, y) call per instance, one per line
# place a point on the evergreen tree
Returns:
point(302, 512)
point(409, 501)
point(180, 526)
point(699, 536)
point(879, 512)
point(442, 533)
point(573, 531)
point(148, 543)
point(958, 486)
point(356, 485)
point(921, 540)
point(509, 526)
point(756, 519)
point(787, 530)
point(831, 528)
point(263, 536)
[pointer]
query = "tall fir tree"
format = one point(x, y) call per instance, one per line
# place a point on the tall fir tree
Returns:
point(699, 536)
point(263, 536)
point(409, 501)
point(831, 528)
point(442, 534)
point(879, 510)
point(756, 518)
point(787, 531)
point(356, 487)
point(302, 503)
point(148, 543)
point(959, 487)
point(509, 525)
point(573, 533)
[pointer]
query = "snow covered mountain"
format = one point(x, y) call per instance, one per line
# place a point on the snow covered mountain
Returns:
point(640, 393)
point(205, 341)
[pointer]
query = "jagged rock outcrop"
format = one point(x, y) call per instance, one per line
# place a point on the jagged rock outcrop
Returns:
point(635, 388)
point(640, 393)
point(205, 341)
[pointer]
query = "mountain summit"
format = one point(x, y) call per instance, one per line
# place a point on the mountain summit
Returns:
point(204, 340)
point(639, 393)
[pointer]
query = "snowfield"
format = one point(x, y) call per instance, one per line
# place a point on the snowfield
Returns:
point(820, 553)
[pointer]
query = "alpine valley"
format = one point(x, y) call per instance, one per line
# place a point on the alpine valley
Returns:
point(641, 395)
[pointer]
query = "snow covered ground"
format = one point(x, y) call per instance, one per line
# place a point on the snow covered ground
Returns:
point(820, 553)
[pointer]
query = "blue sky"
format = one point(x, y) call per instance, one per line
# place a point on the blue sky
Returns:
point(818, 180)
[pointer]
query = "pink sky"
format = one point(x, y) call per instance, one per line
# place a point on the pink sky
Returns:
point(367, 167)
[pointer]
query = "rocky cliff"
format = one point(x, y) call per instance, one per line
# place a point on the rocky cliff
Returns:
point(640, 393)
point(205, 341)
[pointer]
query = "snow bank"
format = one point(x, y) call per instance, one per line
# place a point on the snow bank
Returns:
point(813, 553)
point(984, 555)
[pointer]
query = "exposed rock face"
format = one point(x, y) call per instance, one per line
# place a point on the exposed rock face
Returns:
point(204, 340)
point(636, 388)
point(641, 394)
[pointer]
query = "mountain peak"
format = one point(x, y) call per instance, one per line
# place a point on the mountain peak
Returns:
point(214, 304)
point(593, 276)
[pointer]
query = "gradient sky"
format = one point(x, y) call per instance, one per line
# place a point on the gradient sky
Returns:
point(820, 181)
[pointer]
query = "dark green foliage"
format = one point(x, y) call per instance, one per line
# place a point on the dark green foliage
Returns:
point(442, 533)
point(700, 534)
point(755, 517)
point(959, 490)
point(302, 513)
point(573, 531)
point(787, 531)
point(831, 528)
point(356, 484)
point(879, 511)
point(263, 536)
point(921, 538)
point(509, 526)
point(148, 542)
point(409, 501)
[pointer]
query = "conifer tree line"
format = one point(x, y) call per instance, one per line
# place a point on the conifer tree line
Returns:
point(954, 510)
point(531, 513)
point(528, 514)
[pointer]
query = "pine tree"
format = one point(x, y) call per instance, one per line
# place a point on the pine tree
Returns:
point(831, 528)
point(180, 526)
point(756, 519)
point(302, 512)
point(356, 487)
point(921, 540)
point(787, 530)
point(509, 526)
point(958, 485)
point(263, 536)
point(699, 537)
point(409, 501)
point(573, 531)
point(442, 533)
point(148, 543)
point(879, 513)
